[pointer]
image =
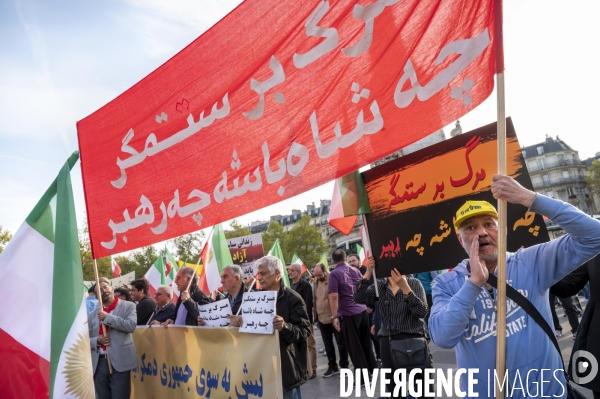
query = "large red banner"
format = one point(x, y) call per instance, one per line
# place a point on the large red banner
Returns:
point(275, 99)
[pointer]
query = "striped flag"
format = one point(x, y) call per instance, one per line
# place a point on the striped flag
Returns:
point(361, 255)
point(44, 340)
point(171, 271)
point(116, 269)
point(349, 200)
point(215, 256)
point(297, 261)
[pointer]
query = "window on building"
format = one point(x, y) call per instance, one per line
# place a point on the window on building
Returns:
point(546, 180)
point(571, 191)
point(565, 174)
point(540, 150)
point(560, 157)
point(524, 154)
point(541, 163)
point(550, 194)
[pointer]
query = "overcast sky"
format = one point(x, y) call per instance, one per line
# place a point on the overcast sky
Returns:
point(62, 60)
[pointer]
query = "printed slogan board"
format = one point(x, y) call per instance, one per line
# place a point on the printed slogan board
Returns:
point(205, 362)
point(245, 250)
point(414, 200)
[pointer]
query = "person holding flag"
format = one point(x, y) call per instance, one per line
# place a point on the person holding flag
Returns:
point(120, 319)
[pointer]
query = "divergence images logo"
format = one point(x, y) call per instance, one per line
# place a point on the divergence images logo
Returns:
point(584, 367)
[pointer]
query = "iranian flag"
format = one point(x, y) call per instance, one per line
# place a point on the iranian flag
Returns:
point(116, 269)
point(215, 256)
point(44, 340)
point(349, 200)
point(157, 275)
point(297, 261)
point(171, 271)
point(361, 255)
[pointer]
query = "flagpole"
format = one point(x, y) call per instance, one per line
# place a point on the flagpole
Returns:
point(502, 209)
point(368, 239)
point(110, 370)
point(195, 273)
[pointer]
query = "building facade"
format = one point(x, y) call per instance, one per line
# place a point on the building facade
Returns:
point(557, 172)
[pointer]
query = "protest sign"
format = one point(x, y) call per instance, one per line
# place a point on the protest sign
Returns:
point(281, 97)
point(414, 200)
point(258, 311)
point(216, 314)
point(191, 362)
point(245, 250)
point(115, 282)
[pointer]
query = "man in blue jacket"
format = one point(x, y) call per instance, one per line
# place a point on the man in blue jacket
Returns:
point(463, 314)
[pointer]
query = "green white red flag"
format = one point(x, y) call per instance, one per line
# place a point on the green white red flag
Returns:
point(349, 200)
point(361, 255)
point(215, 256)
point(297, 261)
point(44, 340)
point(116, 269)
point(160, 274)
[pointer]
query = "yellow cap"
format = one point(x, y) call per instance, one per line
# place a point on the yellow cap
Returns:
point(473, 208)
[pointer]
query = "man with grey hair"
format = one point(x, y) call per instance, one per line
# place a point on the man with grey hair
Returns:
point(303, 288)
point(186, 310)
point(292, 323)
point(165, 308)
point(234, 288)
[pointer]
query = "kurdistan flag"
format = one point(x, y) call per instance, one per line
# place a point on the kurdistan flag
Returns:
point(278, 253)
point(44, 340)
point(215, 256)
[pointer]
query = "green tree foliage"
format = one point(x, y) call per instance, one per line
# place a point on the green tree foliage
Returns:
point(87, 262)
point(237, 230)
point(188, 247)
point(274, 232)
point(304, 240)
point(5, 237)
point(593, 177)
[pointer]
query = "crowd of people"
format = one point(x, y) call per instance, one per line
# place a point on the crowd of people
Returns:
point(389, 322)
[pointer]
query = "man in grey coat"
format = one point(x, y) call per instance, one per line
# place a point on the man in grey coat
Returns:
point(120, 319)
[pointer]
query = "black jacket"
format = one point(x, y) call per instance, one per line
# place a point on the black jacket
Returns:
point(305, 291)
point(144, 310)
point(238, 299)
point(589, 327)
point(164, 314)
point(197, 297)
point(292, 338)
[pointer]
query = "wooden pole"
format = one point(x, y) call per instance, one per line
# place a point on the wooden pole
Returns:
point(195, 274)
point(104, 333)
point(502, 210)
point(368, 251)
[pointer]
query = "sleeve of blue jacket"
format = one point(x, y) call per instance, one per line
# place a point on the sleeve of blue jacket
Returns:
point(450, 314)
point(551, 261)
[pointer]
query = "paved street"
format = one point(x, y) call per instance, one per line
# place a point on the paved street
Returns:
point(322, 388)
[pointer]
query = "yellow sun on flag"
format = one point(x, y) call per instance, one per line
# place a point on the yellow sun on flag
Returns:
point(78, 369)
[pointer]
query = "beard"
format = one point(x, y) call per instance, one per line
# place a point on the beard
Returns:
point(487, 253)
